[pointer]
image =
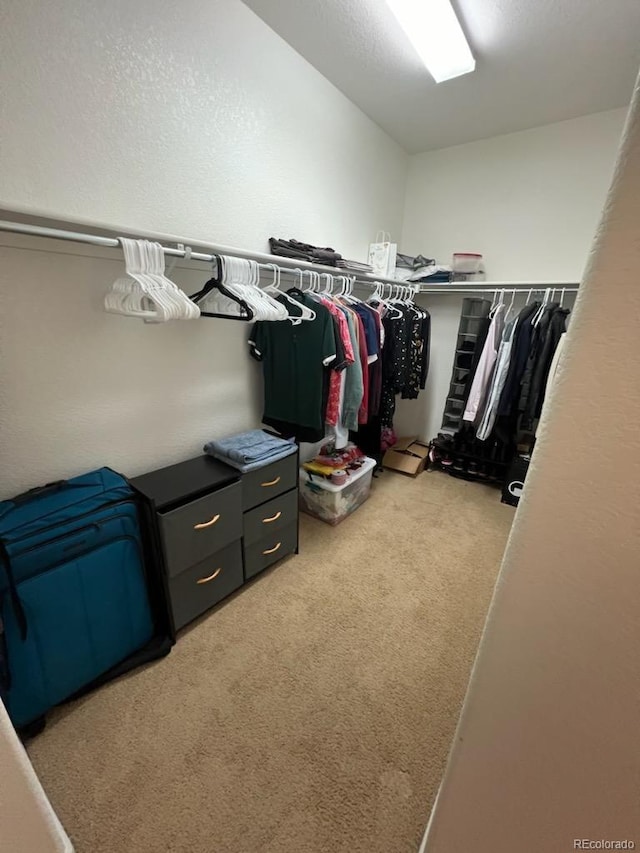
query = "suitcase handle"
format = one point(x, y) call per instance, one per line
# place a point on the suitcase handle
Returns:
point(38, 491)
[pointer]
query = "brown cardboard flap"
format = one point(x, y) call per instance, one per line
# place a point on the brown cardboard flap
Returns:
point(412, 461)
point(403, 444)
point(419, 449)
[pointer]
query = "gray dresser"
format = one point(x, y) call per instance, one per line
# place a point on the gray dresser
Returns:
point(213, 528)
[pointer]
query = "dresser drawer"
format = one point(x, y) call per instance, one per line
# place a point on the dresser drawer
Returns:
point(201, 527)
point(269, 550)
point(265, 483)
point(200, 587)
point(271, 517)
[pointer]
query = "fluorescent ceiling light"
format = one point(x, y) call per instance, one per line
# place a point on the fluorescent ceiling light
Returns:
point(436, 34)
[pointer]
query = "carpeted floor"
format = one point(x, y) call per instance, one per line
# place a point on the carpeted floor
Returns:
point(312, 712)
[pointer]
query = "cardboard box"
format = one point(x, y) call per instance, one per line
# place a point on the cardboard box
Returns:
point(407, 456)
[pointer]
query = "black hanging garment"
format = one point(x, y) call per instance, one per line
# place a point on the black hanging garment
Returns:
point(519, 354)
point(413, 374)
point(556, 327)
point(426, 347)
point(537, 340)
point(295, 360)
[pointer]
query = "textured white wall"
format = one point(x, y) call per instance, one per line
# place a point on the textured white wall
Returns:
point(186, 118)
point(28, 822)
point(529, 201)
point(547, 749)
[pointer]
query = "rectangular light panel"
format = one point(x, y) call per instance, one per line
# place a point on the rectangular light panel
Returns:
point(436, 34)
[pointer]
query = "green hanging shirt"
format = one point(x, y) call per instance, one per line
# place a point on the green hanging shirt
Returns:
point(294, 357)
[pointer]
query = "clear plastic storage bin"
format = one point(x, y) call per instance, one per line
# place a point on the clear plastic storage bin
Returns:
point(467, 262)
point(331, 503)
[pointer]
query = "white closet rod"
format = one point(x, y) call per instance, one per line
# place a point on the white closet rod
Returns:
point(491, 287)
point(286, 264)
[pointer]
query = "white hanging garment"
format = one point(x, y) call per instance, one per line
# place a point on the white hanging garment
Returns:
point(553, 369)
point(484, 371)
point(497, 383)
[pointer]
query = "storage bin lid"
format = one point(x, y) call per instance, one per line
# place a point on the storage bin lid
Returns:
point(367, 466)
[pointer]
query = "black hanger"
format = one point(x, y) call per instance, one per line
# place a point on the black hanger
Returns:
point(215, 284)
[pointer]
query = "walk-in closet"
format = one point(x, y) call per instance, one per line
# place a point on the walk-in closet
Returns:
point(302, 307)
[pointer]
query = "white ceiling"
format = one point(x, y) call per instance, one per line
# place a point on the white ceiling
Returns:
point(538, 61)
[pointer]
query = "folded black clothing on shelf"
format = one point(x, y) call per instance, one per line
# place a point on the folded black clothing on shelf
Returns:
point(304, 251)
point(314, 254)
point(410, 263)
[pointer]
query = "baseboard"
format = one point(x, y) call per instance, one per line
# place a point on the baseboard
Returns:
point(425, 837)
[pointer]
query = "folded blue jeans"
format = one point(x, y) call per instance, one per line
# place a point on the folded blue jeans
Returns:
point(249, 466)
point(249, 447)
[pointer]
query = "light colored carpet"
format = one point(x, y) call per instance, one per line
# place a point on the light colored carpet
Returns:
point(312, 712)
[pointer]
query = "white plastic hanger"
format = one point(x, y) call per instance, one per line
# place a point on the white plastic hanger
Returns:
point(499, 306)
point(377, 295)
point(328, 284)
point(545, 301)
point(149, 267)
point(309, 287)
point(390, 306)
point(127, 292)
point(349, 295)
point(300, 283)
point(185, 309)
point(178, 305)
point(129, 295)
point(411, 295)
point(144, 291)
point(314, 280)
point(305, 313)
point(242, 278)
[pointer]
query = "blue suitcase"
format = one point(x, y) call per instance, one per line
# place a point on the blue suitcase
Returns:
point(73, 591)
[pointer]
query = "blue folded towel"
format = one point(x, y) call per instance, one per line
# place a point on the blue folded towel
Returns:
point(248, 447)
point(250, 450)
point(251, 466)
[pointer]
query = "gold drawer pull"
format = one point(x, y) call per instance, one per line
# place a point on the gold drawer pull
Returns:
point(211, 577)
point(272, 550)
point(271, 482)
point(206, 524)
point(273, 518)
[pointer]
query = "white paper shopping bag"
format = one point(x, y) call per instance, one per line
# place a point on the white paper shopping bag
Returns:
point(382, 255)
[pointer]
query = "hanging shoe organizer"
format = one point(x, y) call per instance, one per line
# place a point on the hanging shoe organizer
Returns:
point(468, 346)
